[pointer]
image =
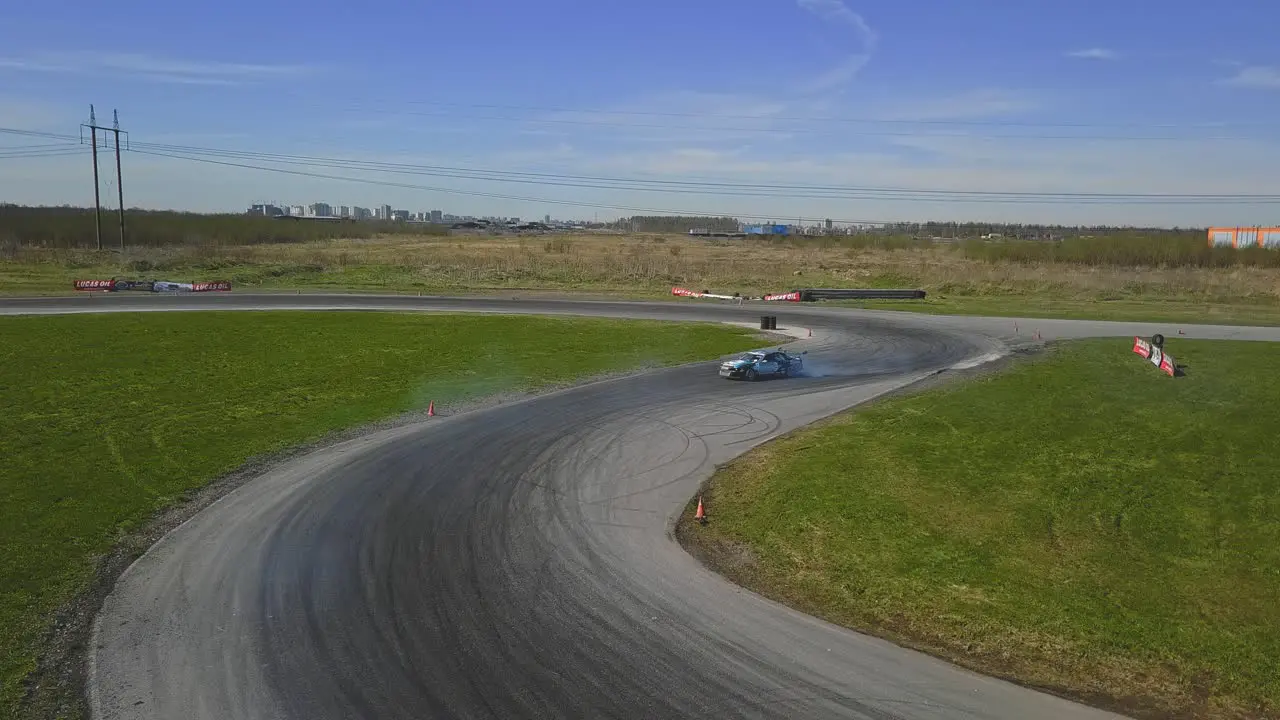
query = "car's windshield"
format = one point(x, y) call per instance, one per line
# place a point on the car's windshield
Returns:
point(750, 356)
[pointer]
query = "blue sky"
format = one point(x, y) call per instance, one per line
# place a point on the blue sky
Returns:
point(979, 95)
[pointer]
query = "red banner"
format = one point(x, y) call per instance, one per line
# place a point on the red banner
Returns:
point(1142, 347)
point(1156, 356)
point(788, 297)
point(94, 284)
point(684, 293)
point(215, 286)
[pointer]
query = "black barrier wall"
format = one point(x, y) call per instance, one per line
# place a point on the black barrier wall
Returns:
point(812, 294)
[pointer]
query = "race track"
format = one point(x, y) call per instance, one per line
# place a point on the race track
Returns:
point(516, 562)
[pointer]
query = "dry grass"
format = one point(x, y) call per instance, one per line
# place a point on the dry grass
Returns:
point(655, 262)
point(638, 264)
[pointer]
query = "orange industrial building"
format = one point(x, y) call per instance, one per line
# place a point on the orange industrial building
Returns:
point(1242, 237)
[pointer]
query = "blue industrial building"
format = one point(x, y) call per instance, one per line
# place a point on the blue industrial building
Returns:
point(766, 230)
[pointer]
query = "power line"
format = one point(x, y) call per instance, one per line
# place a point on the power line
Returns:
point(596, 205)
point(477, 193)
point(37, 146)
point(720, 188)
point(827, 192)
point(810, 191)
point(846, 120)
point(813, 132)
point(45, 153)
point(38, 133)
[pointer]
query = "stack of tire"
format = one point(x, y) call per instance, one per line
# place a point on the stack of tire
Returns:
point(814, 294)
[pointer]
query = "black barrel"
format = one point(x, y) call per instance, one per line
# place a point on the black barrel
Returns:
point(764, 322)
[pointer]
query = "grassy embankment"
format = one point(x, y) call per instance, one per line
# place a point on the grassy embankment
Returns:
point(110, 418)
point(1126, 276)
point(1080, 522)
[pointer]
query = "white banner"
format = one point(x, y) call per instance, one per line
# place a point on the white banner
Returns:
point(166, 286)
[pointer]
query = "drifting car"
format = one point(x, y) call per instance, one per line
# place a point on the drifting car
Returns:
point(756, 364)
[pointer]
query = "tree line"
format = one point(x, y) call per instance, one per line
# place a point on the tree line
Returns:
point(676, 224)
point(72, 227)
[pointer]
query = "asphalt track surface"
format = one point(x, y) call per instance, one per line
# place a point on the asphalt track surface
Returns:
point(517, 561)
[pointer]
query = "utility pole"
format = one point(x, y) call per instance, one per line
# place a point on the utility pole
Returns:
point(97, 202)
point(115, 125)
point(94, 127)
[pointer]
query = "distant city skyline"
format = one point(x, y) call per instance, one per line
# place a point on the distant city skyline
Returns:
point(378, 212)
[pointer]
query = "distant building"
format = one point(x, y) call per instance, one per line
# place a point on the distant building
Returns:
point(767, 229)
point(266, 210)
point(437, 216)
point(297, 210)
point(320, 209)
point(397, 215)
point(1244, 237)
point(384, 213)
point(344, 211)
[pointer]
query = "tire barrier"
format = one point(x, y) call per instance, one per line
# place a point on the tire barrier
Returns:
point(768, 322)
point(1153, 351)
point(810, 295)
point(117, 285)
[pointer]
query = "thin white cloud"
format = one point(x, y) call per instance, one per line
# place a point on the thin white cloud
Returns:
point(30, 114)
point(1094, 54)
point(836, 77)
point(675, 118)
point(963, 165)
point(1255, 76)
point(864, 44)
point(151, 68)
point(837, 11)
point(555, 154)
point(974, 104)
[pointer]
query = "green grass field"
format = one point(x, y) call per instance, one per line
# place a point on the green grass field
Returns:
point(110, 417)
point(1173, 310)
point(1079, 522)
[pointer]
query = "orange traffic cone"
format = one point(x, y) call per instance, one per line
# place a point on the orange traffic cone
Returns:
point(701, 514)
point(431, 409)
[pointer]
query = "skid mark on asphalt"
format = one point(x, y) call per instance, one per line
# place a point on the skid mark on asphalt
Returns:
point(694, 452)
